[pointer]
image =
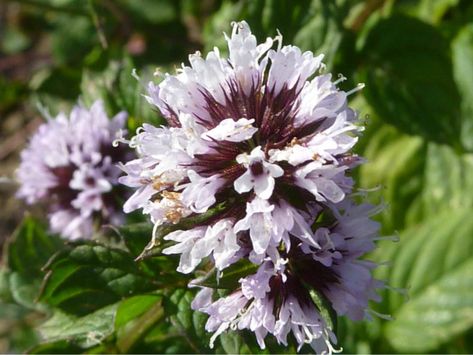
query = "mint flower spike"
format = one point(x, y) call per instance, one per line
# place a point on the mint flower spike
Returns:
point(268, 137)
point(70, 164)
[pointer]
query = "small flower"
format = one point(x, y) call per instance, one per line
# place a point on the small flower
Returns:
point(70, 163)
point(259, 175)
point(263, 141)
point(232, 131)
point(322, 180)
point(199, 194)
point(219, 240)
point(259, 222)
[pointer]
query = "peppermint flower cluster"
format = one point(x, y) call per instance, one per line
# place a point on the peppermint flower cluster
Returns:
point(266, 138)
point(70, 164)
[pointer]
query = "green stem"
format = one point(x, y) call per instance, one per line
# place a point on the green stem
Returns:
point(141, 327)
point(97, 24)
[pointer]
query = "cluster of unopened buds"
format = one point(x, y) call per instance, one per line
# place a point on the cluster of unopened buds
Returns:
point(262, 140)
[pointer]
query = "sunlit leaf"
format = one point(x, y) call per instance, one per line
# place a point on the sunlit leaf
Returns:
point(435, 263)
point(448, 176)
point(462, 52)
point(436, 316)
point(135, 317)
point(85, 331)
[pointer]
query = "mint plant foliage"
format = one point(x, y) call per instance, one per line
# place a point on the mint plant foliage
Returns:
point(79, 275)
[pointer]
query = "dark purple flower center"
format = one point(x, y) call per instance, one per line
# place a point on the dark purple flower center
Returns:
point(312, 272)
point(281, 290)
point(62, 194)
point(256, 168)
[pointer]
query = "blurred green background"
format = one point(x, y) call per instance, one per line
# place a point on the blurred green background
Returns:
point(416, 59)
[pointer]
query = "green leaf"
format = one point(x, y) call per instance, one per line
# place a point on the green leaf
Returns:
point(56, 347)
point(14, 41)
point(72, 37)
point(219, 23)
point(160, 267)
point(25, 291)
point(462, 52)
point(5, 293)
point(182, 331)
point(52, 84)
point(314, 25)
point(136, 236)
point(185, 321)
point(89, 276)
point(121, 91)
point(16, 333)
point(244, 342)
point(30, 248)
point(435, 263)
point(26, 252)
point(150, 10)
point(433, 10)
point(396, 162)
point(322, 31)
point(418, 180)
point(134, 307)
point(409, 80)
point(447, 176)
point(265, 17)
point(85, 331)
point(11, 93)
point(442, 311)
point(233, 343)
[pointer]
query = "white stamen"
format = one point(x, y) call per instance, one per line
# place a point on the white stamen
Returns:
point(376, 209)
point(331, 349)
point(154, 236)
point(366, 263)
point(135, 75)
point(340, 79)
point(120, 139)
point(402, 291)
point(379, 315)
point(157, 73)
point(245, 310)
point(394, 238)
point(387, 263)
point(44, 111)
point(234, 25)
point(373, 189)
point(308, 333)
point(359, 87)
point(278, 39)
